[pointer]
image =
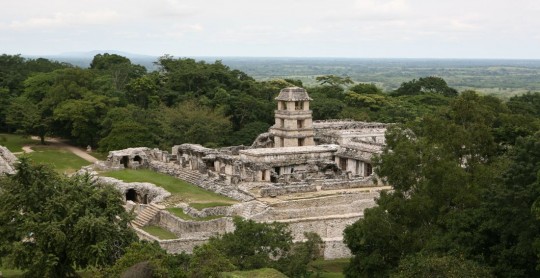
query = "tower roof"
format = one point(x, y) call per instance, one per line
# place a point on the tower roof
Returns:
point(293, 94)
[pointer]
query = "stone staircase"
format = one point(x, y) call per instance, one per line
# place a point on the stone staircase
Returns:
point(248, 210)
point(146, 215)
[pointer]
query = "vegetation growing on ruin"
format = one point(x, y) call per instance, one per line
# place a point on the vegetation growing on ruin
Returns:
point(180, 213)
point(159, 232)
point(181, 191)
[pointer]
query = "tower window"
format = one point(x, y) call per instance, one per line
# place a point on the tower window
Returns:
point(300, 123)
point(283, 123)
point(300, 142)
point(298, 105)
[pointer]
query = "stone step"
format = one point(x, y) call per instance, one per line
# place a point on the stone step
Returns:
point(146, 215)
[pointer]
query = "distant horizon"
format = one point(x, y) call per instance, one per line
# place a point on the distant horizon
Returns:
point(80, 54)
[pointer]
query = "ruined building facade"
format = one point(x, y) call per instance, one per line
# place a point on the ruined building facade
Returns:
point(316, 176)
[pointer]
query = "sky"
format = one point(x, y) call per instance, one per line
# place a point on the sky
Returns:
point(275, 28)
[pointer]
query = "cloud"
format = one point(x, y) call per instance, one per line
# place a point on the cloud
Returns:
point(63, 20)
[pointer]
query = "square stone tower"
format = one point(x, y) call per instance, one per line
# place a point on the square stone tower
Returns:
point(294, 124)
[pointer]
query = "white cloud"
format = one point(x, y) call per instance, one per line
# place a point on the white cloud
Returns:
point(64, 20)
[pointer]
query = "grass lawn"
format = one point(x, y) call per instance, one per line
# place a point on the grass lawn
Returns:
point(11, 272)
point(15, 142)
point(15, 273)
point(257, 273)
point(62, 161)
point(330, 268)
point(98, 155)
point(180, 190)
point(180, 213)
point(159, 232)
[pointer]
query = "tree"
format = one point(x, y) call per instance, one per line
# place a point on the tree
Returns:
point(148, 257)
point(441, 168)
point(208, 262)
point(58, 224)
point(253, 245)
point(430, 84)
point(333, 80)
point(432, 266)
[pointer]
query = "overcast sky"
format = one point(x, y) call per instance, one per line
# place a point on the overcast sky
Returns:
point(284, 28)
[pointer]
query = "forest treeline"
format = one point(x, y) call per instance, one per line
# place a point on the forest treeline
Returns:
point(114, 104)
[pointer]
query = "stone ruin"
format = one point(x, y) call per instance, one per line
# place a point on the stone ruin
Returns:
point(296, 156)
point(7, 161)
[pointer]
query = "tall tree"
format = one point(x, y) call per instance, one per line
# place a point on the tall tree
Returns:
point(59, 224)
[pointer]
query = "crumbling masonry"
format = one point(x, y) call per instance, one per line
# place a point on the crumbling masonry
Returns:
point(314, 175)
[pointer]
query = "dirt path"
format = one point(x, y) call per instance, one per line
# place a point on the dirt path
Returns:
point(76, 151)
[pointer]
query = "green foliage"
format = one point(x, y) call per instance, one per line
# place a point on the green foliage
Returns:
point(127, 134)
point(296, 263)
point(62, 161)
point(449, 171)
point(333, 80)
point(58, 224)
point(208, 262)
point(258, 273)
point(192, 123)
point(422, 266)
point(156, 260)
point(253, 245)
point(430, 84)
point(159, 232)
point(14, 142)
point(364, 88)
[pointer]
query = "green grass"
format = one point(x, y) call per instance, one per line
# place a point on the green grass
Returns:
point(330, 268)
point(15, 273)
point(11, 272)
point(159, 232)
point(15, 142)
point(98, 155)
point(62, 161)
point(257, 273)
point(180, 213)
point(180, 190)
point(200, 206)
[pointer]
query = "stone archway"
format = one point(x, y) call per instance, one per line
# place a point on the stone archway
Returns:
point(131, 195)
point(125, 161)
point(138, 159)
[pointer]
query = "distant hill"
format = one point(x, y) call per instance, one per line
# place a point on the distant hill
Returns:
point(490, 76)
point(83, 59)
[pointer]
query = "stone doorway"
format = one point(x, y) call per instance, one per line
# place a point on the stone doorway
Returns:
point(125, 161)
point(131, 195)
point(138, 159)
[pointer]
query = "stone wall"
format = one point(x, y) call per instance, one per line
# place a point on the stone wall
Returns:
point(346, 184)
point(153, 193)
point(287, 189)
point(192, 229)
point(335, 249)
point(174, 246)
point(7, 161)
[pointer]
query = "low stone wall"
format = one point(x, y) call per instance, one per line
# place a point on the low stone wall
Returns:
point(174, 246)
point(213, 211)
point(177, 246)
point(283, 190)
point(192, 229)
point(326, 227)
point(7, 161)
point(326, 201)
point(335, 249)
point(346, 184)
